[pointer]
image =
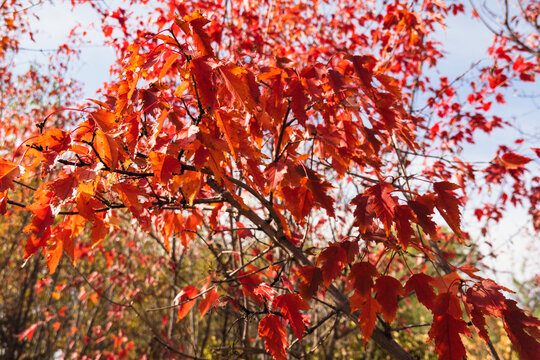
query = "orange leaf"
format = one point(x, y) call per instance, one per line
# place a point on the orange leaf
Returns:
point(275, 337)
point(106, 120)
point(514, 161)
point(164, 166)
point(184, 302)
point(298, 200)
point(8, 171)
point(208, 301)
point(54, 139)
point(107, 149)
point(241, 84)
point(129, 194)
point(56, 250)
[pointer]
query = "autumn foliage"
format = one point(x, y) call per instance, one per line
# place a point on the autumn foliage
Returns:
point(274, 159)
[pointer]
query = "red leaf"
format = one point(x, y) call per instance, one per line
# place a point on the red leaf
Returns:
point(29, 332)
point(290, 306)
point(420, 283)
point(423, 208)
point(383, 203)
point(388, 289)
point(447, 203)
point(298, 200)
point(208, 301)
point(360, 278)
point(265, 291)
point(3, 202)
point(299, 100)
point(368, 317)
point(310, 279)
point(403, 218)
point(445, 331)
point(182, 299)
point(202, 72)
point(275, 172)
point(8, 171)
point(250, 284)
point(514, 161)
point(522, 330)
point(275, 337)
point(332, 261)
point(43, 218)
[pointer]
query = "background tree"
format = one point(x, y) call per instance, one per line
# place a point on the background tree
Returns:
point(287, 167)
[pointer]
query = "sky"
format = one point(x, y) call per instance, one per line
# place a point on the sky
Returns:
point(465, 40)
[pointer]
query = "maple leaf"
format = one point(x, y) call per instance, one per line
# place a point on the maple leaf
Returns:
point(55, 140)
point(360, 278)
point(241, 83)
point(208, 301)
point(196, 23)
point(363, 213)
point(448, 204)
point(290, 306)
point(383, 203)
point(164, 166)
point(8, 172)
point(310, 279)
point(3, 202)
point(368, 317)
point(202, 69)
point(106, 120)
point(514, 161)
point(56, 249)
point(299, 100)
point(332, 261)
point(249, 285)
point(274, 174)
point(422, 206)
point(264, 290)
point(183, 301)
point(445, 331)
point(402, 219)
point(522, 330)
point(420, 284)
point(275, 336)
point(129, 194)
point(388, 289)
point(299, 201)
point(106, 149)
point(43, 218)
